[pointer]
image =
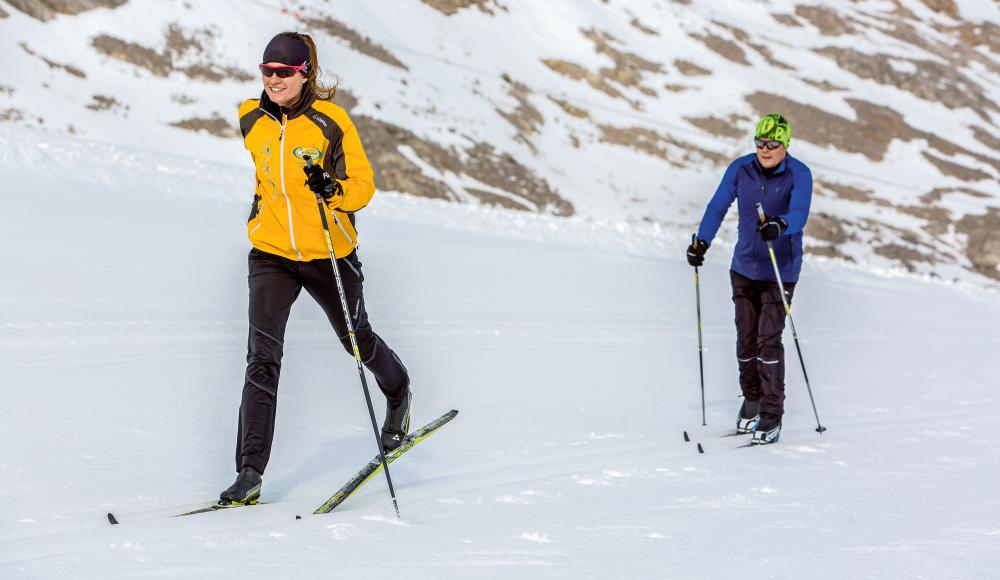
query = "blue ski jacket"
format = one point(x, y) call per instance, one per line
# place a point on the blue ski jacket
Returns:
point(785, 192)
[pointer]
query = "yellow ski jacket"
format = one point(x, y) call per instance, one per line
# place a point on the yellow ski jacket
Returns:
point(284, 219)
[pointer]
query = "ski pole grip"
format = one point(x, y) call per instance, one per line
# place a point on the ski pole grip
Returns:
point(760, 213)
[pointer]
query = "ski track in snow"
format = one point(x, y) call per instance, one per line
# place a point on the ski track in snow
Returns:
point(573, 363)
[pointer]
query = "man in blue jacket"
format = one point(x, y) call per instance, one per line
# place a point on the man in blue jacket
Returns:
point(783, 186)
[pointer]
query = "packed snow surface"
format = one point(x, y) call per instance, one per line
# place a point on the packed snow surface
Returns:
point(569, 347)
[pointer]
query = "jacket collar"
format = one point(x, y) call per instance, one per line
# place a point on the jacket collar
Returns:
point(779, 169)
point(272, 108)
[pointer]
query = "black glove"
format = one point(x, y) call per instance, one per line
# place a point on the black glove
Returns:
point(320, 182)
point(696, 253)
point(772, 228)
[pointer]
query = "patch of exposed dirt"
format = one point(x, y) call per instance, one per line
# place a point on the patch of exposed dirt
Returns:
point(731, 127)
point(638, 25)
point(5, 90)
point(926, 79)
point(986, 138)
point(974, 34)
point(824, 85)
point(943, 6)
point(480, 161)
point(525, 118)
point(214, 125)
point(938, 219)
point(763, 50)
point(3, 14)
point(629, 68)
point(132, 53)
point(676, 88)
point(786, 19)
point(825, 236)
point(652, 143)
point(502, 171)
point(355, 40)
point(954, 169)
point(11, 115)
point(105, 103)
point(579, 73)
point(162, 63)
point(449, 7)
point(937, 194)
point(690, 69)
point(828, 22)
point(983, 247)
point(725, 48)
point(181, 99)
point(48, 9)
point(904, 255)
point(54, 65)
point(570, 109)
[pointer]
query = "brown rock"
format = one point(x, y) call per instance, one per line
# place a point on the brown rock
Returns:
point(983, 247)
point(570, 109)
point(725, 48)
point(827, 21)
point(449, 7)
point(690, 69)
point(214, 125)
point(732, 127)
point(946, 6)
point(48, 9)
point(955, 169)
point(54, 65)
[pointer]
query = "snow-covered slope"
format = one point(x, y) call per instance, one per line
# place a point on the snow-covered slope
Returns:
point(618, 112)
point(569, 348)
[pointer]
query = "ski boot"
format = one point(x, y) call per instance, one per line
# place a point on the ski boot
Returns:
point(244, 491)
point(766, 434)
point(397, 423)
point(748, 417)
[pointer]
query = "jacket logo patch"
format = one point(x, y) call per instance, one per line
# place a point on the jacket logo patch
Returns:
point(320, 120)
point(313, 153)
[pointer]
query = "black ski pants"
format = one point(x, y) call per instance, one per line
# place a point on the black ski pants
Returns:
point(760, 321)
point(275, 283)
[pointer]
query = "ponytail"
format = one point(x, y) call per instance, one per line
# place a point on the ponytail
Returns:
point(323, 91)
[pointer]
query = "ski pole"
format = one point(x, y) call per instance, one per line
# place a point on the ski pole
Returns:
point(354, 340)
point(788, 311)
point(701, 349)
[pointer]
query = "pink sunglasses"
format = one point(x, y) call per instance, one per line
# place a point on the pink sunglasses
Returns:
point(282, 70)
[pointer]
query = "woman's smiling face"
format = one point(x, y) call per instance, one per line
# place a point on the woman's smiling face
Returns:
point(283, 92)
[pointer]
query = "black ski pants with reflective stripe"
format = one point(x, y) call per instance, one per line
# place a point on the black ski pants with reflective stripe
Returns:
point(275, 283)
point(760, 321)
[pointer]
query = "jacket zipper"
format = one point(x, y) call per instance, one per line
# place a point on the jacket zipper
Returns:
point(341, 226)
point(763, 188)
point(281, 171)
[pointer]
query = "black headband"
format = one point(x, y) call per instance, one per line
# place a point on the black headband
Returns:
point(286, 50)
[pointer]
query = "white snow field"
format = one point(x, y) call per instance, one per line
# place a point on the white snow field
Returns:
point(570, 350)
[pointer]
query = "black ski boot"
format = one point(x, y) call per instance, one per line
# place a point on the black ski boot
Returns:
point(749, 417)
point(244, 491)
point(397, 423)
point(767, 432)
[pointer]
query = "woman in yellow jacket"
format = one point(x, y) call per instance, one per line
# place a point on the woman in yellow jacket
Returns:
point(291, 121)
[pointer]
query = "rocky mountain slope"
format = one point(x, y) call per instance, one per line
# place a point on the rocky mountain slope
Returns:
point(609, 111)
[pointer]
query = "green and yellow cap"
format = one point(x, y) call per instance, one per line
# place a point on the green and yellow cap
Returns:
point(775, 127)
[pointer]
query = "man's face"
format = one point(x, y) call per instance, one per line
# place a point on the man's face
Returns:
point(768, 157)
